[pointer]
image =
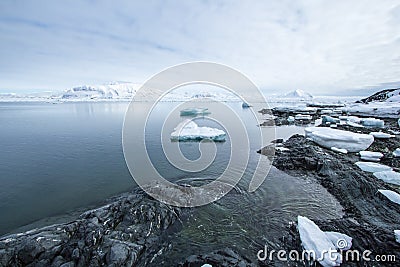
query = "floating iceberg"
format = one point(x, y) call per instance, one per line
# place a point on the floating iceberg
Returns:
point(397, 235)
point(339, 150)
point(381, 135)
point(391, 195)
point(189, 131)
point(314, 240)
point(327, 137)
point(372, 122)
point(396, 153)
point(371, 156)
point(390, 177)
point(245, 105)
point(372, 166)
point(195, 111)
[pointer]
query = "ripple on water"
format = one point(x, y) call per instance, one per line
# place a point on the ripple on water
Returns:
point(246, 221)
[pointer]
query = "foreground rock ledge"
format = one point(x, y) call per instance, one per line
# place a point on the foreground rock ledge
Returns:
point(369, 217)
point(123, 233)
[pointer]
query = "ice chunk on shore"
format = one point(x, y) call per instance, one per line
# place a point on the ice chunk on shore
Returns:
point(371, 156)
point(313, 239)
point(397, 235)
point(303, 117)
point(194, 111)
point(339, 150)
point(391, 195)
point(372, 122)
point(328, 120)
point(341, 241)
point(189, 131)
point(396, 153)
point(327, 137)
point(390, 177)
point(381, 135)
point(290, 119)
point(372, 166)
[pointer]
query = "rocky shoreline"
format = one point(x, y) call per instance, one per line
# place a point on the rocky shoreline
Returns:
point(125, 232)
point(133, 228)
point(370, 218)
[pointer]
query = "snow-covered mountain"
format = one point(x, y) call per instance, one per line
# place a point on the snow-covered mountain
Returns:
point(114, 90)
point(388, 95)
point(298, 94)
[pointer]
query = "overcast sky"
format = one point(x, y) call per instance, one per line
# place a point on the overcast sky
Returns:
point(318, 46)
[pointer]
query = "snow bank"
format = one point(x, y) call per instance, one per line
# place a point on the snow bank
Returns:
point(327, 137)
point(372, 166)
point(390, 177)
point(391, 195)
point(189, 131)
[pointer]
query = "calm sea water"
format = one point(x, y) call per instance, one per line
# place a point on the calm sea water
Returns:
point(59, 158)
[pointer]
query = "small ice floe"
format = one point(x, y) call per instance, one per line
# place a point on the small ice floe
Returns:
point(372, 166)
point(391, 195)
point(326, 111)
point(397, 235)
point(189, 131)
point(394, 132)
point(327, 120)
point(354, 124)
point(245, 105)
point(206, 265)
point(339, 150)
point(341, 241)
point(396, 153)
point(194, 111)
point(290, 119)
point(327, 137)
point(390, 177)
point(372, 122)
point(381, 135)
point(318, 243)
point(370, 155)
point(302, 117)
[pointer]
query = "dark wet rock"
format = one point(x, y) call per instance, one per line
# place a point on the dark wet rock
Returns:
point(379, 96)
point(123, 233)
point(225, 257)
point(369, 217)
